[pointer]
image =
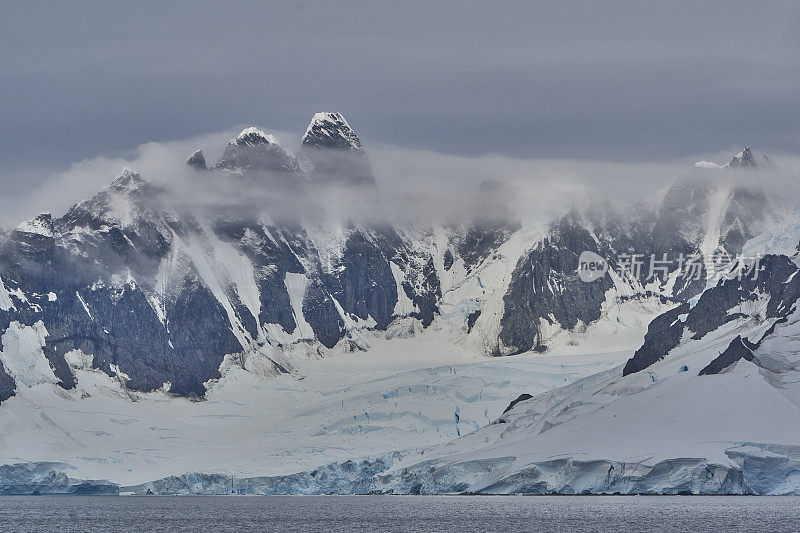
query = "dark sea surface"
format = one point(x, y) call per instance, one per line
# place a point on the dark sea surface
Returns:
point(399, 513)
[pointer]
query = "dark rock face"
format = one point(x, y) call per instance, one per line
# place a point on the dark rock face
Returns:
point(425, 292)
point(7, 385)
point(777, 278)
point(186, 355)
point(323, 317)
point(202, 340)
point(663, 334)
point(364, 285)
point(545, 286)
point(717, 305)
point(735, 351)
point(481, 240)
point(521, 398)
point(471, 319)
point(743, 219)
point(520, 322)
point(448, 259)
point(268, 249)
point(197, 161)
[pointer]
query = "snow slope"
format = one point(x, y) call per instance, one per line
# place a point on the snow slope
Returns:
point(607, 425)
point(402, 395)
point(680, 424)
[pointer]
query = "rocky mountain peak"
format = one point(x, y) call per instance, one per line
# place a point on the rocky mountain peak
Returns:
point(743, 159)
point(252, 136)
point(331, 130)
point(331, 152)
point(42, 224)
point(253, 149)
point(128, 180)
point(197, 160)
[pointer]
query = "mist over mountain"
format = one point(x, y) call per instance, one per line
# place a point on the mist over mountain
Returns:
point(274, 249)
point(221, 266)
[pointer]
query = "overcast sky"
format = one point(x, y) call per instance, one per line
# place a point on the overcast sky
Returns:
point(612, 80)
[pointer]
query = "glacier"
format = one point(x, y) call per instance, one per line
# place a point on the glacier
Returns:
point(49, 478)
point(329, 410)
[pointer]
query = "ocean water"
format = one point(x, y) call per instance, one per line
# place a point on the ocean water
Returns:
point(331, 514)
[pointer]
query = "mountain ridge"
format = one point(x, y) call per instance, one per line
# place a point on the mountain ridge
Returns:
point(261, 286)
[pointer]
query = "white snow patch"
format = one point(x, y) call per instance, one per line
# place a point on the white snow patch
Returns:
point(718, 201)
point(79, 360)
point(404, 305)
point(5, 297)
point(19, 294)
point(22, 354)
point(36, 226)
point(85, 307)
point(119, 373)
point(121, 208)
point(159, 308)
point(296, 287)
point(252, 130)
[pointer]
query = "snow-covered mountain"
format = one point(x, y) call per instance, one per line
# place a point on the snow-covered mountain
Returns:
point(331, 151)
point(710, 403)
point(160, 294)
point(140, 295)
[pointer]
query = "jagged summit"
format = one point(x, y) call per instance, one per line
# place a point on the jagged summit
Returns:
point(252, 136)
point(42, 224)
point(331, 152)
point(253, 149)
point(197, 160)
point(331, 130)
point(128, 180)
point(125, 203)
point(743, 159)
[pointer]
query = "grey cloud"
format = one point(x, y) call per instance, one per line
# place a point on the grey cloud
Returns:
point(612, 80)
point(413, 185)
